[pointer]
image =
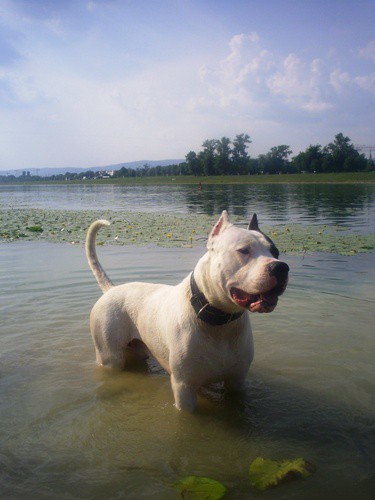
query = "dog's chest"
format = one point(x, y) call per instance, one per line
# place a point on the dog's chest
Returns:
point(218, 358)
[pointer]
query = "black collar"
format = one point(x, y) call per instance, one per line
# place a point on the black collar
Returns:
point(204, 311)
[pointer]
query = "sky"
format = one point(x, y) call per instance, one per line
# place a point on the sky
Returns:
point(87, 83)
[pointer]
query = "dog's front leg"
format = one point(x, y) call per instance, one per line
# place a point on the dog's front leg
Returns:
point(185, 396)
point(236, 383)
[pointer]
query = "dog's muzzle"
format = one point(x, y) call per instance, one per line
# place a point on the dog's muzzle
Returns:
point(266, 301)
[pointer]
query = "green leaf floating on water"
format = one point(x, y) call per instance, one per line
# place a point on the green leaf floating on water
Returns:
point(265, 473)
point(200, 488)
point(168, 230)
point(35, 229)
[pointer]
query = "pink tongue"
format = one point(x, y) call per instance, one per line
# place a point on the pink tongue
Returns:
point(264, 304)
point(243, 302)
point(256, 306)
point(255, 303)
point(243, 299)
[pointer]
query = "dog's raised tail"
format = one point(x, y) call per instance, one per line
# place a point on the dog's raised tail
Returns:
point(101, 277)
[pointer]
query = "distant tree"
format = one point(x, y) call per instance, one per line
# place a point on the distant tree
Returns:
point(122, 172)
point(208, 156)
point(342, 156)
point(370, 164)
point(193, 163)
point(184, 168)
point(158, 170)
point(276, 160)
point(253, 166)
point(281, 152)
point(89, 174)
point(222, 160)
point(145, 170)
point(70, 176)
point(240, 157)
point(310, 160)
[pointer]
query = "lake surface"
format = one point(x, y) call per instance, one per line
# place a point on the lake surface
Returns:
point(345, 204)
point(70, 429)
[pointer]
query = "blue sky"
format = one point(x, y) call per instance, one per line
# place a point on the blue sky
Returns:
point(94, 82)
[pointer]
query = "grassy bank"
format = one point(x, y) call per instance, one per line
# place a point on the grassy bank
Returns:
point(333, 178)
point(350, 177)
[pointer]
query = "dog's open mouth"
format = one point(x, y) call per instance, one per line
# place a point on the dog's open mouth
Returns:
point(264, 302)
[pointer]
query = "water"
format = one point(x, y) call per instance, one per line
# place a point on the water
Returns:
point(346, 204)
point(70, 429)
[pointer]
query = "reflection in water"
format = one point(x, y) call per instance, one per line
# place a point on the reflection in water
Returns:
point(351, 205)
point(291, 203)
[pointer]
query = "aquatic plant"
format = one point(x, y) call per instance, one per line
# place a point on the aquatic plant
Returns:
point(200, 487)
point(169, 230)
point(265, 473)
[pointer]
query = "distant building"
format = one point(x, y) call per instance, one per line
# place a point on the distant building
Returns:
point(104, 174)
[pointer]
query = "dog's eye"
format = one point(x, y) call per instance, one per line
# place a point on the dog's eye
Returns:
point(244, 251)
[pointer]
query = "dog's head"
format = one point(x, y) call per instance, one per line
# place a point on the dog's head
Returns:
point(247, 265)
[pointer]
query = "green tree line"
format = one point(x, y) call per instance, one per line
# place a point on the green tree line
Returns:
point(231, 157)
point(226, 157)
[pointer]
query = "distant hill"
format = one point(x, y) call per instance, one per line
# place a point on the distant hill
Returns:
point(47, 172)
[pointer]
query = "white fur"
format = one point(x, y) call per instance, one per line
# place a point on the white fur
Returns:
point(162, 320)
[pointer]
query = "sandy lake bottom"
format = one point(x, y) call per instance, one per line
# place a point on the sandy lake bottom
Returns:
point(70, 429)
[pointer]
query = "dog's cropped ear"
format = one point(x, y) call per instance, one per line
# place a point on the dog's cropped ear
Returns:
point(220, 225)
point(253, 226)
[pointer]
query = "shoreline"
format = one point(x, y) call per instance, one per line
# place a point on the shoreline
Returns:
point(308, 178)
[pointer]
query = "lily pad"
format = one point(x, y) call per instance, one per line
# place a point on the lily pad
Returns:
point(35, 229)
point(265, 473)
point(200, 488)
point(168, 230)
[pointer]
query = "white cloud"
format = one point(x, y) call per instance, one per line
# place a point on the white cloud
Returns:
point(339, 80)
point(368, 52)
point(90, 6)
point(22, 89)
point(63, 116)
point(84, 97)
point(250, 78)
point(300, 84)
point(366, 83)
point(233, 82)
point(246, 58)
point(342, 81)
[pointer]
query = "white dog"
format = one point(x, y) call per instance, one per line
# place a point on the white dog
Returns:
point(199, 330)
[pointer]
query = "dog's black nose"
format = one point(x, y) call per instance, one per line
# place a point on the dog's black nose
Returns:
point(279, 270)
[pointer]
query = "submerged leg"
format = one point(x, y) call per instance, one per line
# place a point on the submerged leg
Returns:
point(185, 396)
point(111, 335)
point(236, 383)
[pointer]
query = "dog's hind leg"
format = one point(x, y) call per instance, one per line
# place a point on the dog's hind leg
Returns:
point(137, 347)
point(108, 351)
point(111, 335)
